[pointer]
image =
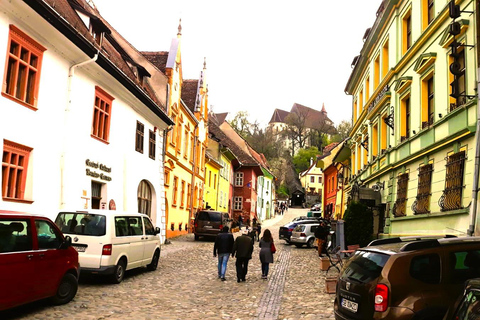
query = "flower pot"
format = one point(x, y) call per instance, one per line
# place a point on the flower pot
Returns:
point(324, 263)
point(331, 284)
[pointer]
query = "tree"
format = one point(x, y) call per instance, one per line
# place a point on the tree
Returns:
point(301, 160)
point(241, 124)
point(358, 224)
point(263, 141)
point(344, 129)
point(296, 129)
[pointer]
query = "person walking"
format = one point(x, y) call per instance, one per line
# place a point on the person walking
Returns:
point(266, 253)
point(240, 220)
point(321, 234)
point(242, 249)
point(223, 247)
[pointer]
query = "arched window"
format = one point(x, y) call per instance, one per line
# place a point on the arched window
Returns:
point(144, 195)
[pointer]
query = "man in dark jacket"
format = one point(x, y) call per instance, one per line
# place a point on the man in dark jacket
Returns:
point(223, 246)
point(321, 234)
point(243, 248)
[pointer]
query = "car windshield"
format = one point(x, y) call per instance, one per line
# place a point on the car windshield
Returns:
point(215, 216)
point(81, 223)
point(364, 266)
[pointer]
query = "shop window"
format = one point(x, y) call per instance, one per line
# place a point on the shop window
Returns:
point(22, 74)
point(101, 115)
point(14, 170)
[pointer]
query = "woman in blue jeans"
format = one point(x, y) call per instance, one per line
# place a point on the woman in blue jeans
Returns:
point(266, 255)
point(223, 246)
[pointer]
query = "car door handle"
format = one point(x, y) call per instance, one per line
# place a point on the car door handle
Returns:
point(29, 256)
point(42, 255)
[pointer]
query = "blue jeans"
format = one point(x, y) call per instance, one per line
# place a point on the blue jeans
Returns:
point(222, 264)
point(265, 269)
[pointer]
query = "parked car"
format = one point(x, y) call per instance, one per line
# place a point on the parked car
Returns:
point(110, 242)
point(468, 304)
point(36, 261)
point(406, 278)
point(209, 223)
point(285, 231)
point(316, 207)
point(304, 234)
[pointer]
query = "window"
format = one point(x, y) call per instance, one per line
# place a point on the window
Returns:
point(191, 149)
point(400, 206)
point(237, 203)
point(385, 59)
point(405, 119)
point(96, 194)
point(220, 198)
point(173, 133)
point(182, 195)
point(354, 111)
point(209, 178)
point(312, 179)
point(151, 144)
point(185, 145)
point(14, 170)
point(470, 306)
point(238, 179)
point(407, 32)
point(189, 194)
point(149, 228)
point(101, 115)
point(428, 107)
point(128, 226)
point(144, 198)
point(360, 103)
point(24, 62)
point(383, 134)
point(422, 202)
point(178, 138)
point(426, 268)
point(46, 235)
point(175, 190)
point(376, 73)
point(167, 177)
point(319, 179)
point(367, 88)
point(215, 181)
point(465, 265)
point(454, 103)
point(428, 13)
point(139, 137)
point(451, 199)
point(20, 235)
point(375, 141)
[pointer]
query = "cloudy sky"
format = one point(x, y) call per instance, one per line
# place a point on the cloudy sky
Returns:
point(261, 54)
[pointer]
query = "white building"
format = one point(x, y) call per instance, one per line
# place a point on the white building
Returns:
point(81, 120)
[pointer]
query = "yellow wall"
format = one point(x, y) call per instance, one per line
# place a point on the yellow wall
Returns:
point(224, 184)
point(211, 185)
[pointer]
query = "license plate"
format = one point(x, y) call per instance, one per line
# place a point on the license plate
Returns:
point(79, 249)
point(208, 227)
point(350, 305)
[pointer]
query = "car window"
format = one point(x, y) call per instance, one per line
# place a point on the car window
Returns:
point(469, 307)
point(203, 215)
point(426, 268)
point(149, 229)
point(121, 226)
point(465, 265)
point(81, 223)
point(313, 229)
point(215, 216)
point(135, 227)
point(364, 266)
point(47, 235)
point(15, 235)
point(299, 228)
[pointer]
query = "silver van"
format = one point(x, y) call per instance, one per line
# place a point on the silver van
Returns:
point(304, 234)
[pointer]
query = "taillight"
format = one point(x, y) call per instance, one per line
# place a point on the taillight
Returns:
point(381, 297)
point(291, 229)
point(107, 250)
point(196, 225)
point(303, 234)
point(221, 227)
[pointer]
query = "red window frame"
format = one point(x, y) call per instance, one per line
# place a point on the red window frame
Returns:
point(14, 170)
point(22, 68)
point(102, 113)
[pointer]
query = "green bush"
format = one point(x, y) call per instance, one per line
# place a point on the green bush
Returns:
point(358, 224)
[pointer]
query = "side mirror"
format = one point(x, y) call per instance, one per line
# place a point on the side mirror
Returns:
point(157, 230)
point(66, 243)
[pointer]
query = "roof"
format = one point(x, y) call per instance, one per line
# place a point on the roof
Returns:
point(279, 116)
point(330, 147)
point(189, 93)
point(113, 55)
point(221, 117)
point(157, 58)
point(314, 119)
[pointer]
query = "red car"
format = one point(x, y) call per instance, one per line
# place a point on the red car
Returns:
point(36, 261)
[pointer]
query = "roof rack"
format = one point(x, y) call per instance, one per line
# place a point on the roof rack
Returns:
point(422, 244)
point(378, 242)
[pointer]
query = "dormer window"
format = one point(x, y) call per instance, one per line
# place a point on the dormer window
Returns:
point(97, 29)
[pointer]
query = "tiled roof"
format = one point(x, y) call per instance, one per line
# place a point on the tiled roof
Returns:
point(221, 117)
point(279, 115)
point(330, 147)
point(189, 93)
point(111, 49)
point(314, 119)
point(157, 58)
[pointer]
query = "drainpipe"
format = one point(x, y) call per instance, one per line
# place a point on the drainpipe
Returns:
point(71, 72)
point(474, 228)
point(192, 186)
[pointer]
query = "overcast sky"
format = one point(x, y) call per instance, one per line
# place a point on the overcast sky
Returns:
point(261, 54)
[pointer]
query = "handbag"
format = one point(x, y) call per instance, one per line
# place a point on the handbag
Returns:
point(272, 248)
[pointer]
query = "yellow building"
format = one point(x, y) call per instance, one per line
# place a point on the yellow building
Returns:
point(212, 174)
point(185, 144)
point(312, 181)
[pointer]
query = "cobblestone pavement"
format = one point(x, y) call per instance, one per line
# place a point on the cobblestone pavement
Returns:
point(185, 286)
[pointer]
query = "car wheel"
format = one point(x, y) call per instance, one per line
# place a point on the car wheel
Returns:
point(197, 237)
point(298, 245)
point(67, 289)
point(310, 242)
point(119, 272)
point(153, 265)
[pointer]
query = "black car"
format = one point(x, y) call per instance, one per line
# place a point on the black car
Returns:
point(285, 231)
point(468, 304)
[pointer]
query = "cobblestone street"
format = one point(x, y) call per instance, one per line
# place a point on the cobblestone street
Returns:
point(185, 286)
